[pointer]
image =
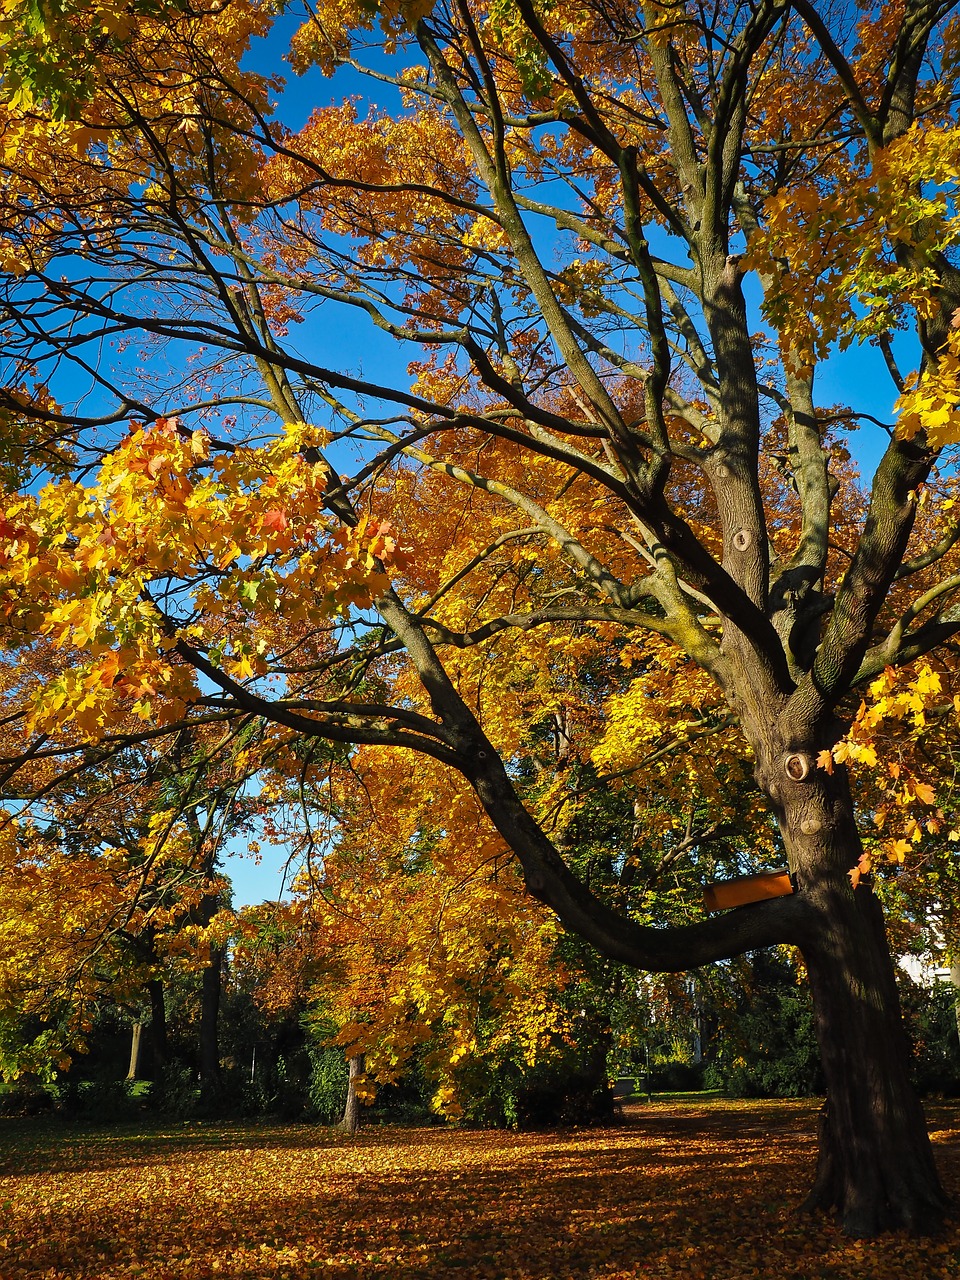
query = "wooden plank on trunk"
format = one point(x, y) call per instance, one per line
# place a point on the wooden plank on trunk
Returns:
point(723, 894)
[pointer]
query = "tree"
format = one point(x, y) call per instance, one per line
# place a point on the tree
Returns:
point(117, 882)
point(407, 946)
point(567, 215)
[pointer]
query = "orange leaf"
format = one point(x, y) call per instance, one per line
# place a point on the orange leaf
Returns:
point(274, 521)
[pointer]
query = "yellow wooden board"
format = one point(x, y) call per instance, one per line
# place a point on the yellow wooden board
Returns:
point(736, 893)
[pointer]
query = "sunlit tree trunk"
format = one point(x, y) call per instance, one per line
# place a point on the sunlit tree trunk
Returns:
point(351, 1111)
point(135, 1043)
point(955, 980)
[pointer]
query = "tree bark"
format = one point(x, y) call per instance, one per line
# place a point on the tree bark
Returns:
point(210, 1023)
point(876, 1166)
point(351, 1111)
point(955, 981)
point(158, 1022)
point(135, 1042)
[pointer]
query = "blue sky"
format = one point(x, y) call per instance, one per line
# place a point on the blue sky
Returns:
point(261, 879)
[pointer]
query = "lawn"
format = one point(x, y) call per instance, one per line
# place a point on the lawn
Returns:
point(678, 1191)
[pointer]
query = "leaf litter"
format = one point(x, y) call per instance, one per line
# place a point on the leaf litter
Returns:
point(675, 1192)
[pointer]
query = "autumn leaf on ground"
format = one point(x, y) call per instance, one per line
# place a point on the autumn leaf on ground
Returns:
point(699, 1191)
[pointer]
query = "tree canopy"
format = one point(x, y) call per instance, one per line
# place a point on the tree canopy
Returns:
point(599, 552)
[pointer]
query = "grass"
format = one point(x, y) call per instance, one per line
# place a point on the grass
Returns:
point(681, 1190)
point(689, 1095)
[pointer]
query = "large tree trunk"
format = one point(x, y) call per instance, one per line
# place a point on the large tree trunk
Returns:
point(875, 1164)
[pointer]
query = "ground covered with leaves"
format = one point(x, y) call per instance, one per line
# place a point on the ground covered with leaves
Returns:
point(676, 1192)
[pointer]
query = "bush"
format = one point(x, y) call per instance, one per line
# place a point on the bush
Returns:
point(102, 1100)
point(175, 1092)
point(251, 1098)
point(930, 1015)
point(768, 1049)
point(405, 1102)
point(327, 1087)
point(568, 1086)
point(673, 1076)
point(25, 1098)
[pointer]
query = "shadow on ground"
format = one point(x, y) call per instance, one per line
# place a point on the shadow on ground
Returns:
point(675, 1192)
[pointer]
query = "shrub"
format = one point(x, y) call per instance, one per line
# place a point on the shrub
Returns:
point(930, 1015)
point(327, 1087)
point(25, 1098)
point(673, 1076)
point(568, 1086)
point(767, 1048)
point(175, 1092)
point(101, 1099)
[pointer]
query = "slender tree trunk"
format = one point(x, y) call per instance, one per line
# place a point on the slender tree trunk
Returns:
point(955, 980)
point(211, 983)
point(351, 1111)
point(158, 1022)
point(135, 1041)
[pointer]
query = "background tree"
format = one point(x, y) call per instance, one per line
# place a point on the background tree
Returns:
point(567, 215)
point(116, 884)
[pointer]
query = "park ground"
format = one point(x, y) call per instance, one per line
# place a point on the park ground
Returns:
point(677, 1191)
